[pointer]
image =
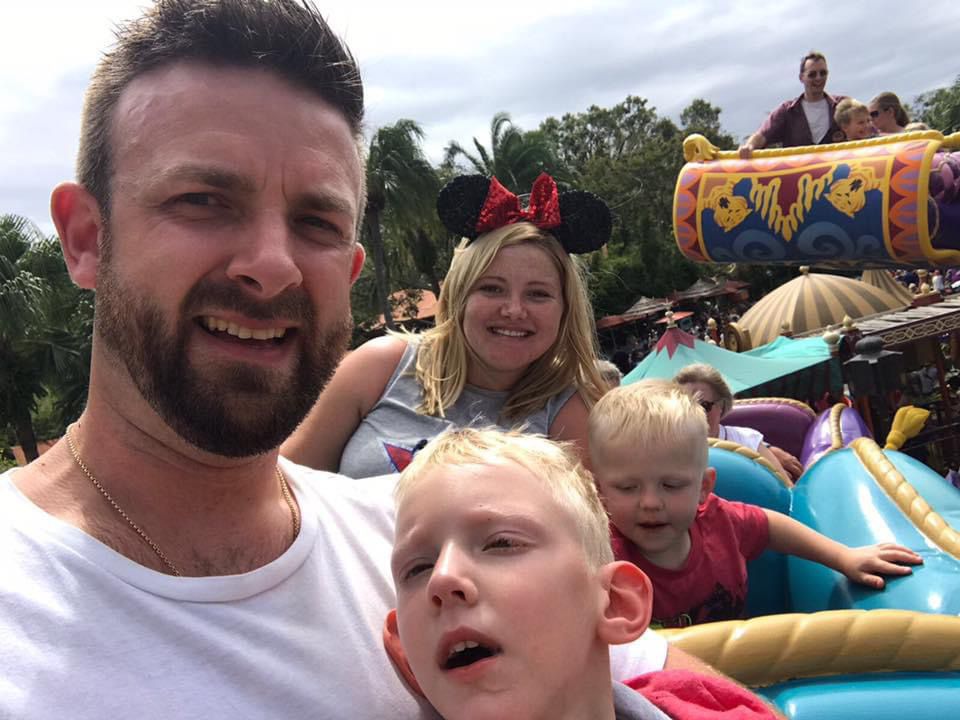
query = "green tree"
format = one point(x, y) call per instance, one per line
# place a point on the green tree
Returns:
point(515, 157)
point(940, 109)
point(401, 186)
point(44, 330)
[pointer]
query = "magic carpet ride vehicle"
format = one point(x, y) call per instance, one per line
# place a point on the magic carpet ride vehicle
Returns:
point(889, 201)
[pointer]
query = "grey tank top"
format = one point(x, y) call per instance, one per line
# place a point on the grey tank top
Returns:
point(393, 430)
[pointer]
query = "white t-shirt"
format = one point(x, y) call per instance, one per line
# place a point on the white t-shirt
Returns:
point(87, 633)
point(818, 118)
point(748, 437)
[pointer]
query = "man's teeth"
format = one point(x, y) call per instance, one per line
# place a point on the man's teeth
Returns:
point(510, 333)
point(461, 646)
point(244, 333)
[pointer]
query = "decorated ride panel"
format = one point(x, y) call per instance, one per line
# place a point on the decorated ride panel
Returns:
point(866, 202)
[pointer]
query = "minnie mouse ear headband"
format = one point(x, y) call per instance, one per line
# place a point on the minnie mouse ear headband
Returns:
point(471, 205)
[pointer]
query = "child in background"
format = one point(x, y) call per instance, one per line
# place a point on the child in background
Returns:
point(508, 596)
point(853, 117)
point(648, 446)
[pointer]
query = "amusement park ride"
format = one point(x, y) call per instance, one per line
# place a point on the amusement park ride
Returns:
point(815, 644)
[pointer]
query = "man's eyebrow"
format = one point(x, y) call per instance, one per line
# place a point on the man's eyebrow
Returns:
point(216, 177)
point(326, 202)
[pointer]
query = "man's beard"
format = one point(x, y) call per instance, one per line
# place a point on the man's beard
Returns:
point(236, 409)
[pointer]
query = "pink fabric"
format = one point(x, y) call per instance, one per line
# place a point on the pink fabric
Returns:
point(712, 583)
point(682, 694)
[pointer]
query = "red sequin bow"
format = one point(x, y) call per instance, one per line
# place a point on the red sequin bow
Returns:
point(502, 207)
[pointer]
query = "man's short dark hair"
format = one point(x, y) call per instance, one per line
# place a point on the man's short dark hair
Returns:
point(812, 55)
point(288, 37)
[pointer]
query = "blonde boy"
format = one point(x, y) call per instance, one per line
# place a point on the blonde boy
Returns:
point(648, 445)
point(853, 117)
point(508, 596)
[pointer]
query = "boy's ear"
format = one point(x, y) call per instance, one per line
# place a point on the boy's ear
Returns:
point(79, 223)
point(391, 643)
point(708, 483)
point(629, 603)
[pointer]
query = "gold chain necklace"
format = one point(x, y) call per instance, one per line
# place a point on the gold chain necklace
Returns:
point(284, 489)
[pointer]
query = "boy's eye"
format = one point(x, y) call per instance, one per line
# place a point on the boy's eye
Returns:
point(415, 570)
point(625, 488)
point(502, 542)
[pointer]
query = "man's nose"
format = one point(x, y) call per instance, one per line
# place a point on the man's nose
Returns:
point(263, 260)
point(451, 581)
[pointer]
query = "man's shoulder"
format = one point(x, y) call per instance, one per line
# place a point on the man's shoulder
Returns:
point(790, 104)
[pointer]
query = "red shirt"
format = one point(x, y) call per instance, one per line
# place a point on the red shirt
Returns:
point(712, 583)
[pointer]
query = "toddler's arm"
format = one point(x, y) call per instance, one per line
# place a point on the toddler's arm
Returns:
point(863, 565)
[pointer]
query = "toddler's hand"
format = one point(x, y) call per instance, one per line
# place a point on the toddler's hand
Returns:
point(865, 565)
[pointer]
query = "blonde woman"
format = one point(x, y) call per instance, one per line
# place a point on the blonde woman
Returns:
point(888, 114)
point(514, 342)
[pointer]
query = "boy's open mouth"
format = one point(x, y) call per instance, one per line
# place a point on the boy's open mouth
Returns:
point(467, 653)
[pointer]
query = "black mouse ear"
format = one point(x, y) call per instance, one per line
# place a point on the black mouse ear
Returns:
point(460, 202)
point(586, 222)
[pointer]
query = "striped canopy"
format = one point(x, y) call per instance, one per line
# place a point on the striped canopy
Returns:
point(810, 302)
point(885, 280)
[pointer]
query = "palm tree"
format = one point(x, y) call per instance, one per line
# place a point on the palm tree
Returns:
point(45, 325)
point(401, 183)
point(515, 157)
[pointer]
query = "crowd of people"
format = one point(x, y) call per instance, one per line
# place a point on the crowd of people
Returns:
point(164, 559)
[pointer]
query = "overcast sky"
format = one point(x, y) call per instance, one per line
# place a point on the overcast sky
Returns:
point(451, 65)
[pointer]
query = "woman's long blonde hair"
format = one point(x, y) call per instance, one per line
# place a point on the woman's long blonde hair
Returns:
point(443, 357)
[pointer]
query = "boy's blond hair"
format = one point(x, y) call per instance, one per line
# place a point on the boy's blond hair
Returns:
point(649, 413)
point(555, 464)
point(847, 109)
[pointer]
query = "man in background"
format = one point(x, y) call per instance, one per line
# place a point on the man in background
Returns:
point(806, 120)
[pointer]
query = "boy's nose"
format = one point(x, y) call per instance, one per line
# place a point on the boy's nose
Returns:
point(450, 582)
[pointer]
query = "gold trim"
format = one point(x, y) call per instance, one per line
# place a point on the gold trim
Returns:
point(777, 401)
point(836, 432)
point(746, 452)
point(929, 523)
point(696, 148)
point(766, 650)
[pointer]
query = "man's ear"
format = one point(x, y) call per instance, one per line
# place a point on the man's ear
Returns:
point(708, 483)
point(391, 642)
point(629, 603)
point(359, 255)
point(79, 223)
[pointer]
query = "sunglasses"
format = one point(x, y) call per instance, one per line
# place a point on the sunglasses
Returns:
point(874, 114)
point(816, 73)
point(708, 405)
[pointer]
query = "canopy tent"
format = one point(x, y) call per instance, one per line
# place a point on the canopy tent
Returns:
point(805, 373)
point(885, 280)
point(643, 307)
point(707, 288)
point(810, 302)
point(784, 348)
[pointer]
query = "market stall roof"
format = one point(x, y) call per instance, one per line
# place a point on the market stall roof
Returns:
point(404, 308)
point(705, 288)
point(646, 306)
point(813, 301)
point(885, 280)
point(742, 372)
point(904, 326)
